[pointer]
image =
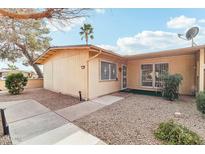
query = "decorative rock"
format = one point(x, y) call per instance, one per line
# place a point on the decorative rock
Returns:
point(177, 114)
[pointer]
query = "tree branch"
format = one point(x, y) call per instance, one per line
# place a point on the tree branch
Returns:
point(57, 13)
point(44, 14)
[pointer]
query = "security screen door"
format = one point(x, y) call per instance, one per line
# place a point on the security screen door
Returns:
point(124, 76)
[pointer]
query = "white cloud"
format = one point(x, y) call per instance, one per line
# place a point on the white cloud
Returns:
point(112, 48)
point(201, 21)
point(109, 47)
point(100, 11)
point(150, 41)
point(59, 25)
point(181, 22)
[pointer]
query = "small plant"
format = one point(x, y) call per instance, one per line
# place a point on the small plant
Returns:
point(200, 102)
point(172, 133)
point(171, 86)
point(15, 83)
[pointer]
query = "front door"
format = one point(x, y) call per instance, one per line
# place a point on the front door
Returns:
point(124, 76)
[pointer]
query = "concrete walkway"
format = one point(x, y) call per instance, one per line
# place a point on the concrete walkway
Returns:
point(68, 134)
point(32, 123)
point(107, 100)
point(80, 110)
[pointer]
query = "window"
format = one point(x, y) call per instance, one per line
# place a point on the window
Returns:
point(151, 74)
point(104, 71)
point(147, 70)
point(113, 73)
point(108, 71)
point(160, 69)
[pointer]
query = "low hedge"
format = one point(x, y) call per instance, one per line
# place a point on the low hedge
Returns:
point(172, 133)
point(171, 84)
point(200, 102)
point(15, 83)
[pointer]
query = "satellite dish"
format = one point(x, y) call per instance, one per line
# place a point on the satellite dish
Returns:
point(192, 32)
point(190, 35)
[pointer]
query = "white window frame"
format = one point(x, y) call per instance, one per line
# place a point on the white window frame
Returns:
point(153, 75)
point(110, 62)
point(141, 75)
point(155, 72)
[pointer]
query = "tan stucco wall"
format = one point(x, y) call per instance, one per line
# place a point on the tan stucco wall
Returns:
point(63, 72)
point(184, 64)
point(97, 87)
point(32, 83)
point(197, 72)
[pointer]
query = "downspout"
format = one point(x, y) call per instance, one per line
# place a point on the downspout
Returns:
point(91, 58)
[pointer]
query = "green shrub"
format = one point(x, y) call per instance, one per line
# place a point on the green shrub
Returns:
point(171, 86)
point(172, 133)
point(15, 83)
point(200, 102)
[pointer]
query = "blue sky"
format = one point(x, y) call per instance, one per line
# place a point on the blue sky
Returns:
point(132, 31)
point(127, 31)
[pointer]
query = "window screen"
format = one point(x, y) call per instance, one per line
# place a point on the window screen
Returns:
point(104, 71)
point(113, 72)
point(147, 70)
point(160, 69)
point(152, 73)
point(108, 71)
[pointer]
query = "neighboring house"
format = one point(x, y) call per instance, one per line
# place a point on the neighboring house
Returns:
point(95, 71)
point(4, 72)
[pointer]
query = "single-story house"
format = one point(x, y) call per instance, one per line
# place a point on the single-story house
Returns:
point(95, 71)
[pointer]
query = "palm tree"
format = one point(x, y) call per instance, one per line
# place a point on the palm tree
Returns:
point(86, 32)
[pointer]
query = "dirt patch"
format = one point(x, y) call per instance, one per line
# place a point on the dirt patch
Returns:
point(134, 119)
point(51, 100)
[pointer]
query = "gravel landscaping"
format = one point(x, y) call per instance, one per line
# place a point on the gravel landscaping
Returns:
point(134, 119)
point(4, 139)
point(51, 100)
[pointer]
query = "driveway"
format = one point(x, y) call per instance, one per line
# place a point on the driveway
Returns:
point(133, 120)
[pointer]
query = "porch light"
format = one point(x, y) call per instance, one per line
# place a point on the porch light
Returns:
point(83, 67)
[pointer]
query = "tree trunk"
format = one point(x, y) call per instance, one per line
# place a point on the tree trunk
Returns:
point(86, 38)
point(38, 70)
point(35, 67)
point(30, 60)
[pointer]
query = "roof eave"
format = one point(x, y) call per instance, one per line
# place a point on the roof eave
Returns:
point(37, 61)
point(165, 53)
